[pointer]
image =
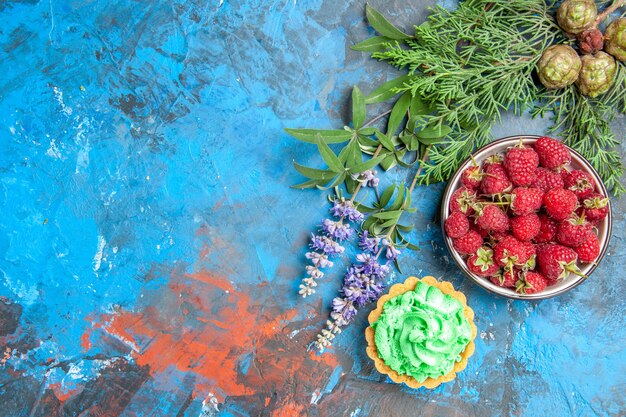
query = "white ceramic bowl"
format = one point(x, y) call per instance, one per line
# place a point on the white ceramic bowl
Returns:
point(603, 228)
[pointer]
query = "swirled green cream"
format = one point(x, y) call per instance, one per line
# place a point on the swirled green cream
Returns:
point(422, 333)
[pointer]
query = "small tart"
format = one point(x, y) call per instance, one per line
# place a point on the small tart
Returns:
point(397, 290)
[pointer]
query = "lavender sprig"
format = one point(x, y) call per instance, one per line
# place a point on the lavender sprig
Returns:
point(363, 284)
point(327, 244)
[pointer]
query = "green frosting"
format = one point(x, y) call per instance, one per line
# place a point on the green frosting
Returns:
point(422, 333)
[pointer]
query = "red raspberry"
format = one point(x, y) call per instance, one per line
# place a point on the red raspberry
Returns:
point(546, 180)
point(547, 230)
point(495, 159)
point(462, 200)
point(456, 225)
point(526, 200)
point(552, 153)
point(595, 206)
point(471, 177)
point(521, 162)
point(496, 180)
point(556, 262)
point(530, 254)
point(492, 219)
point(468, 243)
point(481, 263)
point(560, 203)
point(505, 278)
point(580, 182)
point(573, 231)
point(525, 227)
point(509, 251)
point(589, 250)
point(530, 282)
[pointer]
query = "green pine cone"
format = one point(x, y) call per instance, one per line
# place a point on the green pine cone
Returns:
point(575, 16)
point(597, 74)
point(559, 66)
point(615, 39)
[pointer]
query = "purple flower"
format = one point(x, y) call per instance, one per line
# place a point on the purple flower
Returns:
point(368, 178)
point(392, 253)
point(326, 245)
point(337, 230)
point(319, 260)
point(346, 209)
point(369, 244)
point(343, 311)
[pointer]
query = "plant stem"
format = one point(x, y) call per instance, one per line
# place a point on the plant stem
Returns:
point(380, 147)
point(616, 5)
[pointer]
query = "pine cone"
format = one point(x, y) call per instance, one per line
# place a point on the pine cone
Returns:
point(597, 74)
point(590, 41)
point(559, 66)
point(575, 16)
point(615, 38)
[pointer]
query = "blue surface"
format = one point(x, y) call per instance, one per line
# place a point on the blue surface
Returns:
point(150, 248)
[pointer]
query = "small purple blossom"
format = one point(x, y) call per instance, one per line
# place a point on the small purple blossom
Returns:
point(337, 229)
point(368, 178)
point(326, 245)
point(369, 244)
point(319, 260)
point(392, 253)
point(345, 209)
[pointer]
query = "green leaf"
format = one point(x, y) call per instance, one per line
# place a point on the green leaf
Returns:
point(369, 164)
point(364, 209)
point(365, 141)
point(418, 106)
point(307, 184)
point(389, 162)
point(412, 246)
point(329, 156)
point(338, 180)
point(404, 228)
point(385, 141)
point(358, 108)
point(398, 112)
point(329, 136)
point(353, 155)
point(435, 132)
point(367, 131)
point(387, 90)
point(399, 201)
point(373, 44)
point(386, 196)
point(351, 185)
point(397, 264)
point(386, 215)
point(368, 223)
point(316, 174)
point(382, 25)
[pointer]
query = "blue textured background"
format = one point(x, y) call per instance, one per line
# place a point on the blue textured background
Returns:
point(150, 248)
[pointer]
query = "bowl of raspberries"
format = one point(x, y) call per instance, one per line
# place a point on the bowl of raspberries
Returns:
point(526, 217)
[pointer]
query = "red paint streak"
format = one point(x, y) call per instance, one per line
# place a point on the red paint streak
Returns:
point(85, 340)
point(61, 393)
point(288, 410)
point(199, 323)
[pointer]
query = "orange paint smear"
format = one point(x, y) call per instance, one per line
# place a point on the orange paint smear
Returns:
point(62, 394)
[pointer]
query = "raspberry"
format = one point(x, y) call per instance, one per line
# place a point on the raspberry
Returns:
point(462, 200)
point(556, 262)
point(546, 180)
point(471, 177)
point(505, 278)
point(494, 159)
point(580, 182)
point(595, 206)
point(492, 219)
point(589, 250)
point(496, 180)
point(521, 162)
point(547, 230)
point(468, 243)
point(552, 153)
point(525, 227)
point(530, 282)
point(456, 225)
point(481, 263)
point(526, 200)
point(509, 251)
point(573, 231)
point(560, 203)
